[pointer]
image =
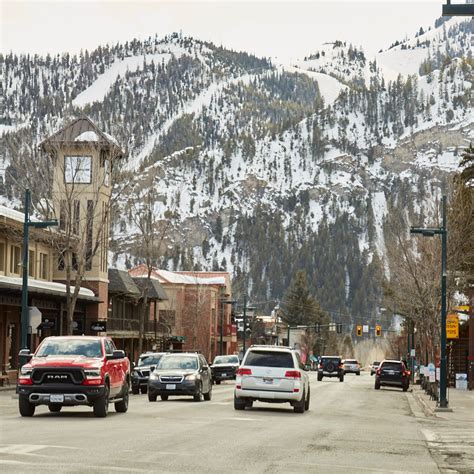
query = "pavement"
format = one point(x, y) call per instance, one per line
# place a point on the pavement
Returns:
point(349, 427)
point(449, 434)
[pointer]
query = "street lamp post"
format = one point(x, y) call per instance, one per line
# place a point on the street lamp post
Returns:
point(24, 291)
point(430, 232)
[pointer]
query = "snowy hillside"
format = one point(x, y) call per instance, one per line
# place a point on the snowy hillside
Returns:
point(261, 168)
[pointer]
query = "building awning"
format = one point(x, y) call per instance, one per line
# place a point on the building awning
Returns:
point(121, 283)
point(155, 290)
point(44, 288)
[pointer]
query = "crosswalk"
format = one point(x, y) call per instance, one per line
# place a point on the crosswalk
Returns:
point(452, 446)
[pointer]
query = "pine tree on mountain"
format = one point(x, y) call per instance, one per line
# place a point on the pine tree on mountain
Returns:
point(299, 306)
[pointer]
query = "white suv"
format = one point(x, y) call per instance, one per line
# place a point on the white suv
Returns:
point(272, 374)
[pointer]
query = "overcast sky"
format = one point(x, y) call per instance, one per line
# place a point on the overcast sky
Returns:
point(283, 29)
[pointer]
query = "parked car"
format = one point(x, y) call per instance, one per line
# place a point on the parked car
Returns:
point(224, 368)
point(351, 366)
point(141, 372)
point(374, 367)
point(74, 370)
point(186, 373)
point(392, 373)
point(272, 374)
point(331, 366)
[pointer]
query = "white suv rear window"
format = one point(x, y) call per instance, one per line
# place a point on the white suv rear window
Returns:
point(270, 359)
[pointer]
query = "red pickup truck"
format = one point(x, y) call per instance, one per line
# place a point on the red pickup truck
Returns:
point(74, 370)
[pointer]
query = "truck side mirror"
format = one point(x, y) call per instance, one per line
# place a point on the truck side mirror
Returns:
point(26, 353)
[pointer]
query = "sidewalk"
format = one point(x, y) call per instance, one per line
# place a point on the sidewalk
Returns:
point(461, 402)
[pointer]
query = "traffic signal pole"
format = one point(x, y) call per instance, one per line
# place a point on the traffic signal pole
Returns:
point(245, 322)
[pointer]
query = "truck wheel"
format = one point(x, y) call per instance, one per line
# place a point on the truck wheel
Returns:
point(135, 390)
point(405, 387)
point(306, 405)
point(152, 397)
point(26, 408)
point(298, 407)
point(101, 405)
point(357, 373)
point(218, 382)
point(55, 408)
point(341, 378)
point(320, 377)
point(122, 406)
point(164, 397)
point(239, 403)
point(377, 385)
point(144, 389)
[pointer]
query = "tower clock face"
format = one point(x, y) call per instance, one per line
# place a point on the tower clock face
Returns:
point(77, 169)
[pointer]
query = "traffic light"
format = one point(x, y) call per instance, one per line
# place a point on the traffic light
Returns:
point(359, 330)
point(339, 328)
point(378, 330)
point(248, 326)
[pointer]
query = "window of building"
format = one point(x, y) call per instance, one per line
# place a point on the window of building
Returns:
point(167, 317)
point(78, 169)
point(15, 260)
point(31, 263)
point(43, 270)
point(2, 256)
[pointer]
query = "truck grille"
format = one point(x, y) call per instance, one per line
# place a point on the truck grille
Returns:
point(143, 373)
point(223, 370)
point(57, 376)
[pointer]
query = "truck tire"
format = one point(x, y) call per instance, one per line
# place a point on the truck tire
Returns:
point(341, 378)
point(239, 403)
point(164, 397)
point(377, 385)
point(152, 397)
point(298, 407)
point(218, 382)
point(26, 408)
point(306, 405)
point(320, 377)
point(101, 405)
point(122, 405)
point(144, 389)
point(135, 390)
point(357, 373)
point(55, 408)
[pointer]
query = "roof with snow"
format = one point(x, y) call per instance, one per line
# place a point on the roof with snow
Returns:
point(82, 131)
point(166, 276)
point(44, 287)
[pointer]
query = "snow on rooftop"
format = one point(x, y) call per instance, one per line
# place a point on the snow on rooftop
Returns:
point(172, 277)
point(89, 136)
point(43, 285)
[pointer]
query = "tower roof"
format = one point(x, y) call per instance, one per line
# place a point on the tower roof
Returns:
point(81, 131)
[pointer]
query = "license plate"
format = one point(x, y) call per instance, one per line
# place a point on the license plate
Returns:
point(267, 380)
point(224, 375)
point(170, 386)
point(56, 398)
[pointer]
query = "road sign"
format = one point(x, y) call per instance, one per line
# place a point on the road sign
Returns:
point(432, 372)
point(365, 328)
point(412, 353)
point(452, 326)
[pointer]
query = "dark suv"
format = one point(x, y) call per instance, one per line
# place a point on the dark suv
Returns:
point(141, 372)
point(331, 366)
point(392, 373)
point(224, 368)
point(187, 373)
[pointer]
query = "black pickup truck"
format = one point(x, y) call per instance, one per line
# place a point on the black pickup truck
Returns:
point(224, 368)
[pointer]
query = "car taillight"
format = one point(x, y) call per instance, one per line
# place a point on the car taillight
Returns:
point(406, 373)
point(377, 371)
point(341, 366)
point(320, 366)
point(243, 371)
point(293, 374)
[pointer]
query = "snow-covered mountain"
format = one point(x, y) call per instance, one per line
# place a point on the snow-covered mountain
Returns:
point(262, 168)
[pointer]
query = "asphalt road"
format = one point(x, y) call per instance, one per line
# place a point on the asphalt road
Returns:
point(349, 427)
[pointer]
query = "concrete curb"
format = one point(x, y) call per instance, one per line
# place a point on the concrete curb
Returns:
point(427, 410)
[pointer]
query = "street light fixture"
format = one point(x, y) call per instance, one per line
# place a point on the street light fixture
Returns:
point(430, 232)
point(24, 291)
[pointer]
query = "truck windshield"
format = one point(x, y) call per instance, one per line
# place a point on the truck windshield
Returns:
point(151, 359)
point(226, 360)
point(70, 347)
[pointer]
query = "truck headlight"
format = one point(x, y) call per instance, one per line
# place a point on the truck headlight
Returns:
point(192, 377)
point(92, 373)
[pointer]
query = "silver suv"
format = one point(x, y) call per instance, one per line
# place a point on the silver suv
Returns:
point(272, 374)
